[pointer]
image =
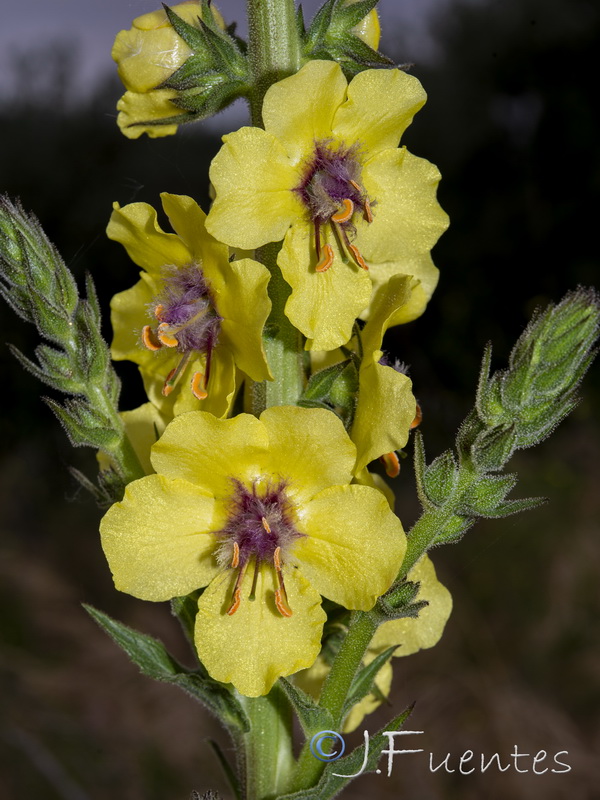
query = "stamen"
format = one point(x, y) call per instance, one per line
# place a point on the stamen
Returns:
point(267, 527)
point(165, 335)
point(236, 555)
point(199, 386)
point(159, 312)
point(318, 238)
point(281, 600)
point(356, 186)
point(345, 212)
point(357, 256)
point(173, 376)
point(418, 418)
point(326, 260)
point(252, 595)
point(237, 591)
point(368, 212)
point(392, 464)
point(149, 339)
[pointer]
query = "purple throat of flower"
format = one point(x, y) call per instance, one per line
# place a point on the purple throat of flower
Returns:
point(260, 529)
point(332, 192)
point(186, 321)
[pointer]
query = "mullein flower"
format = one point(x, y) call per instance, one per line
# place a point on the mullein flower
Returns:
point(194, 316)
point(407, 634)
point(262, 514)
point(147, 55)
point(327, 177)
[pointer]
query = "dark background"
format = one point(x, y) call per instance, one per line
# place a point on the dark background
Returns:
point(513, 123)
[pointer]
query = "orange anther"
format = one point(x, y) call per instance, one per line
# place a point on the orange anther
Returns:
point(267, 527)
point(368, 212)
point(168, 386)
point(237, 599)
point(149, 340)
point(199, 386)
point(356, 186)
point(236, 555)
point(392, 464)
point(418, 418)
point(165, 336)
point(345, 212)
point(326, 259)
point(159, 311)
point(282, 606)
point(357, 256)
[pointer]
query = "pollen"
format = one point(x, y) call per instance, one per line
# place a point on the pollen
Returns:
point(345, 213)
point(326, 259)
point(391, 463)
point(149, 339)
point(165, 335)
point(357, 256)
point(199, 386)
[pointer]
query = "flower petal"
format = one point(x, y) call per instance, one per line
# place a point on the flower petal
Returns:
point(189, 223)
point(143, 425)
point(147, 57)
point(136, 227)
point(128, 315)
point(422, 269)
point(385, 410)
point(407, 219)
point(208, 451)
point(256, 645)
point(141, 112)
point(157, 539)
point(323, 305)
point(380, 106)
point(417, 633)
point(296, 123)
point(253, 181)
point(310, 447)
point(240, 293)
point(353, 546)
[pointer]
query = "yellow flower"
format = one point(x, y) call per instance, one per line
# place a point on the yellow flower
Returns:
point(408, 634)
point(193, 312)
point(147, 55)
point(262, 513)
point(326, 176)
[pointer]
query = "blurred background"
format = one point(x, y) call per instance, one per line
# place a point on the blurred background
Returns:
point(513, 123)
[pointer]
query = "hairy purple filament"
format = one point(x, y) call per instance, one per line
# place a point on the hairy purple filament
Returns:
point(185, 306)
point(332, 193)
point(249, 510)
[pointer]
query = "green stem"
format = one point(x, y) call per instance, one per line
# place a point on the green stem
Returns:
point(267, 746)
point(282, 343)
point(273, 47)
point(337, 685)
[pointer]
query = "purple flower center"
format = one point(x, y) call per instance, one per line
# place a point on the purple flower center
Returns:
point(332, 193)
point(331, 176)
point(261, 518)
point(186, 311)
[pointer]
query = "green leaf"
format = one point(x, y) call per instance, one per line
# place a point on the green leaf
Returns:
point(310, 715)
point(440, 478)
point(152, 658)
point(334, 780)
point(186, 610)
point(364, 680)
point(485, 493)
